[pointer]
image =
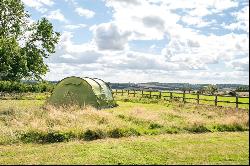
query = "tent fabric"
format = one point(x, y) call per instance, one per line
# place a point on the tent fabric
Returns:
point(82, 91)
point(106, 90)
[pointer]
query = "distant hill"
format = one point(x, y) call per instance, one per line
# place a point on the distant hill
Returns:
point(170, 86)
point(173, 86)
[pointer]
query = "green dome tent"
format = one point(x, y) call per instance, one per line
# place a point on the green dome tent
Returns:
point(82, 91)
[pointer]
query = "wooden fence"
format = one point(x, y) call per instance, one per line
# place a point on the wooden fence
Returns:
point(162, 95)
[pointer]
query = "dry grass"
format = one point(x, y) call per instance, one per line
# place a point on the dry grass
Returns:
point(26, 119)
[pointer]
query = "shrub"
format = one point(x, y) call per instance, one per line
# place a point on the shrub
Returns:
point(154, 126)
point(21, 87)
point(56, 136)
point(117, 133)
point(32, 137)
point(197, 129)
point(232, 127)
point(43, 137)
point(173, 130)
point(90, 135)
point(132, 132)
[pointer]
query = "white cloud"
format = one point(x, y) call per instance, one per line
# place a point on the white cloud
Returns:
point(201, 6)
point(108, 37)
point(85, 12)
point(70, 53)
point(76, 26)
point(153, 21)
point(196, 10)
point(240, 64)
point(127, 2)
point(196, 21)
point(188, 55)
point(39, 5)
point(201, 49)
point(242, 22)
point(56, 15)
point(144, 21)
point(72, 2)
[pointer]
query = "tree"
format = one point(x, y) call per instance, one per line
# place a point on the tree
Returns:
point(211, 89)
point(23, 45)
point(201, 90)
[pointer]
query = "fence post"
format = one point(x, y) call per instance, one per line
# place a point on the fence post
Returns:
point(128, 92)
point(237, 102)
point(116, 91)
point(215, 100)
point(150, 94)
point(184, 94)
point(198, 98)
point(171, 95)
point(122, 92)
point(134, 93)
point(160, 95)
point(142, 93)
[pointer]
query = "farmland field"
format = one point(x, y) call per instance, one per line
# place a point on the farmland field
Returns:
point(138, 131)
point(191, 98)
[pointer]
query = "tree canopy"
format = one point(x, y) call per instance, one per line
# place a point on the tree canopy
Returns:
point(24, 44)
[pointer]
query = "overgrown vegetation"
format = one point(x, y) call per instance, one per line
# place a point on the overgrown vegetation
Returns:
point(29, 121)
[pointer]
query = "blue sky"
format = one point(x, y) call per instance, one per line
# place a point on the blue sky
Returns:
point(148, 40)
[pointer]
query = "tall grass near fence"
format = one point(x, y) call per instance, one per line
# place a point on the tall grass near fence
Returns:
point(31, 121)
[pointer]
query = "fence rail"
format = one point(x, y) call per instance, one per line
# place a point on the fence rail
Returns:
point(162, 95)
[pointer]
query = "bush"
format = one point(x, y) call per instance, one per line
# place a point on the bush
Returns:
point(232, 127)
point(53, 137)
point(20, 87)
point(43, 137)
point(90, 135)
point(197, 129)
point(172, 130)
point(117, 133)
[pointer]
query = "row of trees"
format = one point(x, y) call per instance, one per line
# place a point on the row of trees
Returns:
point(20, 87)
point(242, 89)
point(210, 89)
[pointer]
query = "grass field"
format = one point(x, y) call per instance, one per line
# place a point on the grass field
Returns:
point(208, 148)
point(192, 99)
point(142, 131)
point(30, 121)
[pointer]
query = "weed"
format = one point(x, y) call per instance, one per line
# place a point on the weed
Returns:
point(154, 126)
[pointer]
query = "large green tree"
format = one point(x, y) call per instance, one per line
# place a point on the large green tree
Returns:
point(23, 45)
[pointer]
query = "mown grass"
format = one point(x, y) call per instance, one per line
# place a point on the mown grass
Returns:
point(206, 149)
point(29, 121)
point(193, 98)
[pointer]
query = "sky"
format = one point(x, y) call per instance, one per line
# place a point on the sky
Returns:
point(185, 41)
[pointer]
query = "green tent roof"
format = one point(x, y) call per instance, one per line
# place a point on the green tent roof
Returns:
point(82, 91)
